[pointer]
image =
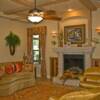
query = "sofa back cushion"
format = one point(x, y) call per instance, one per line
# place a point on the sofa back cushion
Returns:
point(93, 70)
point(92, 75)
point(15, 67)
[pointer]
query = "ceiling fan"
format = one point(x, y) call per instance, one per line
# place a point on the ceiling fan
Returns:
point(37, 15)
point(43, 15)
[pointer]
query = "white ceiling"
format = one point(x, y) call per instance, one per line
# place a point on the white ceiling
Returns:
point(22, 7)
point(10, 6)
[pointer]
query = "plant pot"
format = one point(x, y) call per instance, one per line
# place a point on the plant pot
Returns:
point(12, 50)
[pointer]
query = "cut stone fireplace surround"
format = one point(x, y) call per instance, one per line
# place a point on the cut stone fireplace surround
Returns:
point(68, 50)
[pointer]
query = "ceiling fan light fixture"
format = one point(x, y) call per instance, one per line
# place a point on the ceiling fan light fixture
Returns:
point(35, 15)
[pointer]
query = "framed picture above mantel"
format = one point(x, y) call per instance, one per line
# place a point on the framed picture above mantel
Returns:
point(74, 34)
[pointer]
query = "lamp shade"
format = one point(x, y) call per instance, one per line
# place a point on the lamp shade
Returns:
point(35, 15)
point(98, 30)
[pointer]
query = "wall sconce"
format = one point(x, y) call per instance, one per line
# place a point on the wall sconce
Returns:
point(54, 38)
point(54, 33)
point(98, 30)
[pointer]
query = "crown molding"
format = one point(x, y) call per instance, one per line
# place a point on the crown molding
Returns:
point(88, 4)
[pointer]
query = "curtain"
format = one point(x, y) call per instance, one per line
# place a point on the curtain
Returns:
point(41, 30)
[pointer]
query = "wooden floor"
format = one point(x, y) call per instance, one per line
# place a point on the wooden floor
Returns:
point(42, 90)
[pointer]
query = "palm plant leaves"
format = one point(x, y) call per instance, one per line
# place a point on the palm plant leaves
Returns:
point(12, 39)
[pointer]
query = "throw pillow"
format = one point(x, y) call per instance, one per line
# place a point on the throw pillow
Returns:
point(2, 70)
point(18, 67)
point(9, 69)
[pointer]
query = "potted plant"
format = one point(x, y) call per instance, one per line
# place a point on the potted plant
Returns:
point(12, 41)
point(53, 42)
point(60, 38)
point(95, 41)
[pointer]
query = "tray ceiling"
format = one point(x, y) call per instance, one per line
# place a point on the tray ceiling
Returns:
point(20, 8)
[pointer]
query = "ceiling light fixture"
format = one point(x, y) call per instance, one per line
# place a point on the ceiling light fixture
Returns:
point(69, 10)
point(35, 15)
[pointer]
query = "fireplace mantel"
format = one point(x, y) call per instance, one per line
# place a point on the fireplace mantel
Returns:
point(86, 51)
point(75, 50)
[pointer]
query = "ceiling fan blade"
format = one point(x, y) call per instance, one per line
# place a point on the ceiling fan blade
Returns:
point(50, 12)
point(17, 11)
point(51, 15)
point(52, 18)
point(28, 4)
point(48, 15)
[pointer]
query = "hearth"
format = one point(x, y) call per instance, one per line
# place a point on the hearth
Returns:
point(73, 61)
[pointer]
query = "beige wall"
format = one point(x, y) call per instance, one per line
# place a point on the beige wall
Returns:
point(96, 24)
point(18, 28)
point(21, 30)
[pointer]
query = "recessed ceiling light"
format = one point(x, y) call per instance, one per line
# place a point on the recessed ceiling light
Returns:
point(69, 10)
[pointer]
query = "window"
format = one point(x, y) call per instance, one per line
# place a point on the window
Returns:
point(36, 49)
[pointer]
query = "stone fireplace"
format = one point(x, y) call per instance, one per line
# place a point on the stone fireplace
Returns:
point(84, 53)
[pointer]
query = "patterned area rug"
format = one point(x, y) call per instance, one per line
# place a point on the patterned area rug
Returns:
point(42, 90)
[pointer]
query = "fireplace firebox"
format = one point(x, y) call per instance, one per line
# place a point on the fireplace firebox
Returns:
point(69, 56)
point(73, 61)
